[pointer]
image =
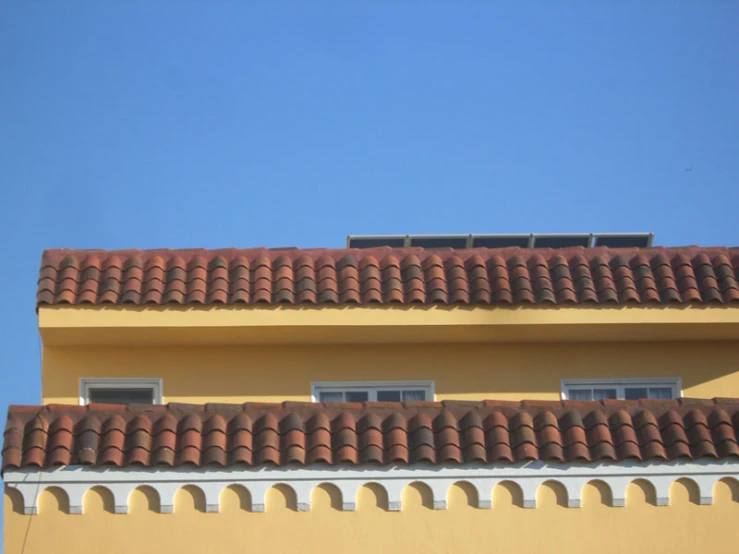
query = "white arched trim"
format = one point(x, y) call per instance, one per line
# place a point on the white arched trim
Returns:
point(76, 480)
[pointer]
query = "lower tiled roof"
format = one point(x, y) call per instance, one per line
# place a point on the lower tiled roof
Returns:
point(488, 432)
point(390, 275)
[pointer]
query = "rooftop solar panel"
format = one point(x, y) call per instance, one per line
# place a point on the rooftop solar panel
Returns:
point(561, 241)
point(374, 242)
point(439, 242)
point(624, 241)
point(501, 241)
point(612, 240)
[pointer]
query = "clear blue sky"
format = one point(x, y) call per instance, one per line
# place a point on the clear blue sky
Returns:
point(215, 124)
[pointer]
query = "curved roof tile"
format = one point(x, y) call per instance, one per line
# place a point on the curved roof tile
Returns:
point(384, 433)
point(387, 275)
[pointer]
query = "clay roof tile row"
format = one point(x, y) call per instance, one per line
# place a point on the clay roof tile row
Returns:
point(486, 432)
point(388, 275)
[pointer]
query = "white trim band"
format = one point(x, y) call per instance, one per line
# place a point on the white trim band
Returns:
point(76, 480)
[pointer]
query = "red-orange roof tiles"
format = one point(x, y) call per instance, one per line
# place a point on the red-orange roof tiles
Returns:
point(488, 432)
point(388, 275)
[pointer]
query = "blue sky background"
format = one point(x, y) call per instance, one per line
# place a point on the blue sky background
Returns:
point(245, 123)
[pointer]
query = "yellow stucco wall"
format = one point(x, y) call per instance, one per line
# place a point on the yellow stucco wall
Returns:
point(681, 527)
point(272, 353)
point(461, 371)
point(202, 357)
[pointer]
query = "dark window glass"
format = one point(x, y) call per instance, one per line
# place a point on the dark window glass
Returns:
point(388, 395)
point(604, 394)
point(661, 393)
point(121, 396)
point(356, 396)
point(331, 397)
point(580, 394)
point(635, 393)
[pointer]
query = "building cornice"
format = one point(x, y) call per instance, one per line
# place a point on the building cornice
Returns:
point(349, 324)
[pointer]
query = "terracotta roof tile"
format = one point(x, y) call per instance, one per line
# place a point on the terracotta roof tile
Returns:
point(390, 275)
point(370, 433)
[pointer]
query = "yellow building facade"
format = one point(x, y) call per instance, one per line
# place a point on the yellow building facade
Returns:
point(398, 399)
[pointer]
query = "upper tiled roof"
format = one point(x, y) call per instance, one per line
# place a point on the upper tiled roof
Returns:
point(372, 433)
point(387, 275)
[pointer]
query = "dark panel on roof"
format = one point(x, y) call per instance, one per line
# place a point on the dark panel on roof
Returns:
point(439, 242)
point(374, 242)
point(500, 242)
point(623, 241)
point(563, 241)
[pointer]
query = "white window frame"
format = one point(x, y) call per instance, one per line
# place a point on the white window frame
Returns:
point(371, 387)
point(676, 383)
point(87, 383)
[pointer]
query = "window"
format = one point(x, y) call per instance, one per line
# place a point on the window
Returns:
point(621, 389)
point(373, 391)
point(121, 391)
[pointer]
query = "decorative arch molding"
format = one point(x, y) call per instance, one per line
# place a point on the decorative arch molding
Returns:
point(75, 481)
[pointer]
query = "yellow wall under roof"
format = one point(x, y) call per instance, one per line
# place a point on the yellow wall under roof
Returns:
point(461, 371)
point(681, 527)
point(231, 354)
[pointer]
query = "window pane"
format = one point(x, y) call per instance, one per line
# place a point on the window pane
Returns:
point(662, 393)
point(366, 391)
point(603, 394)
point(357, 396)
point(580, 394)
point(635, 393)
point(121, 396)
point(331, 397)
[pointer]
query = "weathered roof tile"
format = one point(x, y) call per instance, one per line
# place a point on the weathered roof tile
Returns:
point(390, 275)
point(378, 433)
